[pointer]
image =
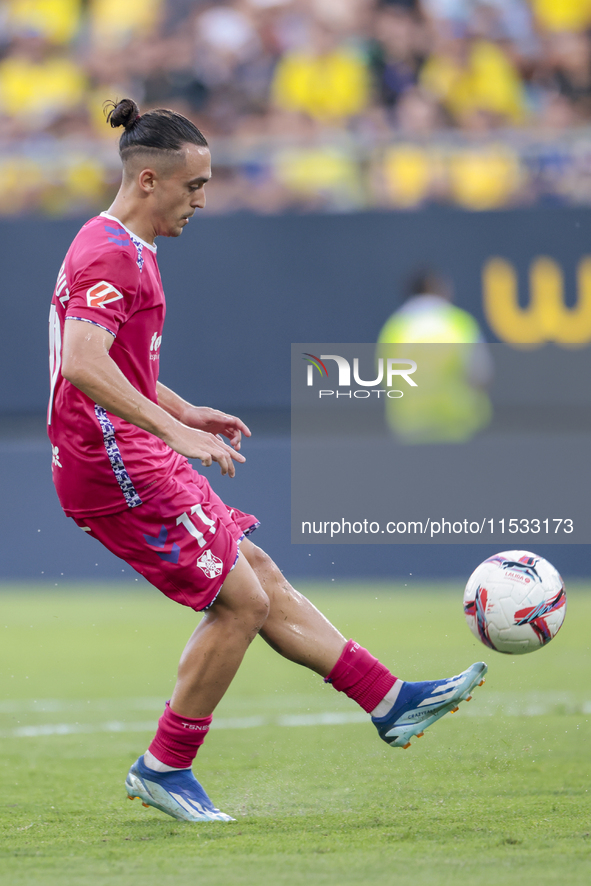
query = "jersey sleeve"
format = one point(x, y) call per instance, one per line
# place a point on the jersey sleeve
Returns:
point(105, 291)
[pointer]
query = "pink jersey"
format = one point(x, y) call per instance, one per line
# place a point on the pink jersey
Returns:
point(102, 464)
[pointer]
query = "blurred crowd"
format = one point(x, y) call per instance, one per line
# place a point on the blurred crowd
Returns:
point(327, 105)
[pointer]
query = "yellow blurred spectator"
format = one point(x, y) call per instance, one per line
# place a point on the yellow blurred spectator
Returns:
point(21, 180)
point(78, 185)
point(562, 15)
point(486, 178)
point(319, 172)
point(84, 178)
point(407, 173)
point(56, 20)
point(486, 80)
point(115, 22)
point(327, 81)
point(39, 89)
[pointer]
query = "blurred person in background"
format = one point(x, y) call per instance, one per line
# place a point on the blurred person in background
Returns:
point(373, 78)
point(398, 51)
point(38, 81)
point(562, 15)
point(325, 78)
point(449, 404)
point(114, 24)
point(570, 71)
point(410, 172)
point(471, 75)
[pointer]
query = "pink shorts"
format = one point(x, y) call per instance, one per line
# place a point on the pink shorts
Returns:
point(184, 540)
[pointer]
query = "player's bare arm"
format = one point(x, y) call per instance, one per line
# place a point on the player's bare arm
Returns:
point(202, 417)
point(86, 363)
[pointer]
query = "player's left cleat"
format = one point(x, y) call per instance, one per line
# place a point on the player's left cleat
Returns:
point(419, 705)
point(177, 793)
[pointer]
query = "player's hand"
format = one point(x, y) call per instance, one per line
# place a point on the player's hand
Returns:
point(194, 443)
point(206, 419)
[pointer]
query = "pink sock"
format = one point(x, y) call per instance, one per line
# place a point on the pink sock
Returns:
point(361, 676)
point(178, 739)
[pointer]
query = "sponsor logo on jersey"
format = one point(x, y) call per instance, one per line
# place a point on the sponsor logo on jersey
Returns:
point(210, 564)
point(102, 294)
point(155, 343)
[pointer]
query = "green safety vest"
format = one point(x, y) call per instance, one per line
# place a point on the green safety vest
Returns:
point(446, 406)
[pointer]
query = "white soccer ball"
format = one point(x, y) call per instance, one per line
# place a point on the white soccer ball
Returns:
point(515, 602)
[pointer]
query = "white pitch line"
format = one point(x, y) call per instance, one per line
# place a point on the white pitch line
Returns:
point(59, 705)
point(327, 718)
point(503, 704)
point(45, 729)
point(290, 720)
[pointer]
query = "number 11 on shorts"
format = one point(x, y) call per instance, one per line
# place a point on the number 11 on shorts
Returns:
point(190, 527)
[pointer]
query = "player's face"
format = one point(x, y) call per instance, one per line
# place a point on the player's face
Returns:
point(180, 192)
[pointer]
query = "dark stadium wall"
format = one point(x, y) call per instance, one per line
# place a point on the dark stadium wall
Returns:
point(38, 543)
point(241, 288)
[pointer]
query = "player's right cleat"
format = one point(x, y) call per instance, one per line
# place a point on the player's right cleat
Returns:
point(177, 793)
point(419, 705)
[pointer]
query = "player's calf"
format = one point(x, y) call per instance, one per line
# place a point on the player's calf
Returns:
point(295, 628)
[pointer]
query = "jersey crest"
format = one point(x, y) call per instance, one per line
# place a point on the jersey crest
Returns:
point(211, 565)
point(102, 294)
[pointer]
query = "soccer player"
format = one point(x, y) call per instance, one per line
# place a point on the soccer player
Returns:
point(120, 442)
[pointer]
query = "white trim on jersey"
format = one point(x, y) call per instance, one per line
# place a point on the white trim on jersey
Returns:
point(94, 323)
point(55, 355)
point(150, 246)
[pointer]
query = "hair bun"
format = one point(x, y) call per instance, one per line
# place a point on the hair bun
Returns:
point(123, 113)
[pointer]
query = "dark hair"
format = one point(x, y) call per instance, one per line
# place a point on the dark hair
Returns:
point(160, 130)
point(427, 281)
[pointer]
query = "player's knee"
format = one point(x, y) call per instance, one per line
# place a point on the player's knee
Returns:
point(252, 605)
point(260, 562)
point(259, 608)
point(248, 608)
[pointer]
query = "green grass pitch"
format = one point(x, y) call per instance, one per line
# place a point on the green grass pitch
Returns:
point(498, 793)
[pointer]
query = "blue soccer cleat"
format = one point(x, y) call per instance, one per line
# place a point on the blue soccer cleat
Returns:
point(419, 705)
point(177, 793)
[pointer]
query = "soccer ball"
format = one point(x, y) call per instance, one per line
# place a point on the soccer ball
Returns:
point(515, 602)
